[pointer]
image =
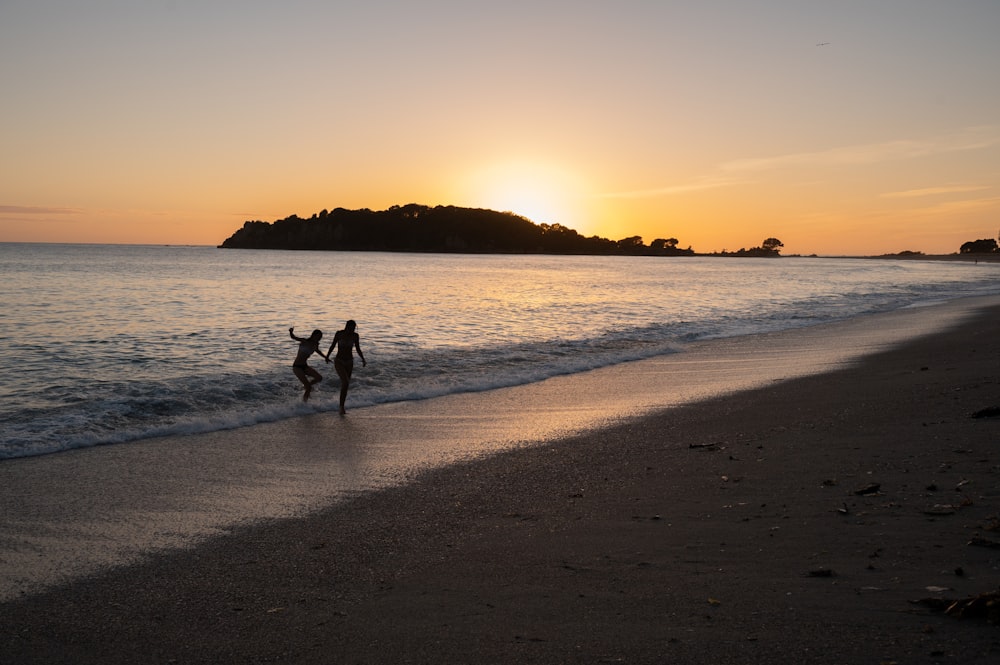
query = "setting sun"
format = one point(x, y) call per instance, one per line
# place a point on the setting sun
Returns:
point(543, 193)
point(839, 130)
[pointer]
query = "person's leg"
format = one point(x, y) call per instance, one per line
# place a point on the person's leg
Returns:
point(344, 372)
point(304, 373)
point(301, 373)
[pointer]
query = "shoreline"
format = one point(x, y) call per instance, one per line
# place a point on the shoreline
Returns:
point(966, 258)
point(78, 512)
point(903, 257)
point(688, 527)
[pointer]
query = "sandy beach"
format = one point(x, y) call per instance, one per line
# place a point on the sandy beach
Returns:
point(785, 498)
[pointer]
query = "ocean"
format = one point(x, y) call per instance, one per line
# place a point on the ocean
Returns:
point(112, 344)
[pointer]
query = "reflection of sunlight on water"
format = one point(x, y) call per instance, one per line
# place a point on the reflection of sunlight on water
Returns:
point(178, 491)
point(145, 339)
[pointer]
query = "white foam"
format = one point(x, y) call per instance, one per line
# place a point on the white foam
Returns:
point(168, 352)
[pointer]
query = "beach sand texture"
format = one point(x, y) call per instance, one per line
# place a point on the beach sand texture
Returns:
point(718, 505)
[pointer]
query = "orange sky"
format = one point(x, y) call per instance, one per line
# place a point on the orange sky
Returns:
point(845, 127)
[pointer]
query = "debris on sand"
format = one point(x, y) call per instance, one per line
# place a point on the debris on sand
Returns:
point(868, 489)
point(704, 446)
point(820, 572)
point(941, 509)
point(985, 605)
point(988, 412)
point(978, 541)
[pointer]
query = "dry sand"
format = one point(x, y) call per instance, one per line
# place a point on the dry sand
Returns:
point(725, 528)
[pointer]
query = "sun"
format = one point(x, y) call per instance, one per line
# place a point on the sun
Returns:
point(543, 193)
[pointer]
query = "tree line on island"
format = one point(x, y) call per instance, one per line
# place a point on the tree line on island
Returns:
point(421, 228)
point(982, 246)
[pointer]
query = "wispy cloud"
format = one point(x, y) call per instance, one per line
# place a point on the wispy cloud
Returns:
point(973, 138)
point(670, 190)
point(934, 191)
point(954, 207)
point(940, 211)
point(37, 210)
point(739, 171)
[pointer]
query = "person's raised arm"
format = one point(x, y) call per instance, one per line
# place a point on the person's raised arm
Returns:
point(291, 333)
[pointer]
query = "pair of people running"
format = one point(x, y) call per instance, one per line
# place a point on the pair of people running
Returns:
point(346, 341)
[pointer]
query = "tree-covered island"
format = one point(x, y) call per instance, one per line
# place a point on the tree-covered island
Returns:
point(420, 228)
point(451, 229)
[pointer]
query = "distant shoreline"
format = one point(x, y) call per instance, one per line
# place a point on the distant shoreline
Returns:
point(986, 258)
point(990, 258)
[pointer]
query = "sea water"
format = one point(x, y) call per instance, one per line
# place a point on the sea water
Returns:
point(103, 344)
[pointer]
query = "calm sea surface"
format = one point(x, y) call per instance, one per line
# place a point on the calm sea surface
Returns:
point(109, 343)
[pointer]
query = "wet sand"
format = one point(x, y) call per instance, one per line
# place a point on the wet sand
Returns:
point(700, 507)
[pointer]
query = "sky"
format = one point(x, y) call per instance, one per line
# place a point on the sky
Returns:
point(840, 127)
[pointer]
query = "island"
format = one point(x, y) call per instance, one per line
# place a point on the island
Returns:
point(443, 229)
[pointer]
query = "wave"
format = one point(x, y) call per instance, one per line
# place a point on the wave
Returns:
point(124, 411)
point(183, 379)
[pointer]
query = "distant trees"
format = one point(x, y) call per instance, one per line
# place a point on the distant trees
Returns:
point(631, 245)
point(664, 244)
point(985, 246)
point(772, 245)
point(668, 247)
point(770, 248)
point(419, 228)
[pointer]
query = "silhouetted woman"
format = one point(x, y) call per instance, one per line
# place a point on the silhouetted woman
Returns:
point(307, 347)
point(346, 341)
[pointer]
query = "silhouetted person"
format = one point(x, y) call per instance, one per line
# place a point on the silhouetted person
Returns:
point(307, 347)
point(346, 341)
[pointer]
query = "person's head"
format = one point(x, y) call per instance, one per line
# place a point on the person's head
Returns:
point(317, 335)
point(350, 326)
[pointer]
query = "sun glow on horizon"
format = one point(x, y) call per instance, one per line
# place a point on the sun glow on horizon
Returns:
point(540, 192)
point(614, 124)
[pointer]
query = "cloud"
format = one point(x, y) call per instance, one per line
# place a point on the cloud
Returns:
point(670, 190)
point(934, 191)
point(37, 210)
point(972, 138)
point(940, 211)
point(738, 171)
point(956, 207)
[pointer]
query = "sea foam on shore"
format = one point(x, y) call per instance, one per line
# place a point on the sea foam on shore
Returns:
point(167, 341)
point(74, 513)
point(800, 519)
